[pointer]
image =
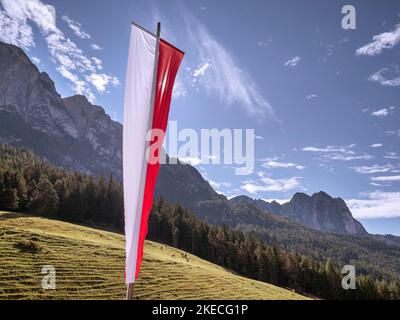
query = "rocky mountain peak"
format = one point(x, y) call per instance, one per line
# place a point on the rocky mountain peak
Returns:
point(33, 108)
point(319, 211)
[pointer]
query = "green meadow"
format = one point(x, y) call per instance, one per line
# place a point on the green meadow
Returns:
point(89, 264)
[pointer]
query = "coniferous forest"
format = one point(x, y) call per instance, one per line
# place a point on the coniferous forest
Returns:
point(28, 184)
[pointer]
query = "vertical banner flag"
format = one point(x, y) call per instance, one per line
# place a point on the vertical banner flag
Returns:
point(152, 67)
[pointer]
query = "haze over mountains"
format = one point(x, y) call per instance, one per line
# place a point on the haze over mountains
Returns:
point(77, 135)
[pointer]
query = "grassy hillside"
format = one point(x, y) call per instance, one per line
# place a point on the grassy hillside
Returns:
point(90, 265)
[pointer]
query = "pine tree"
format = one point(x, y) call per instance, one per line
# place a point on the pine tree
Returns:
point(22, 192)
point(45, 199)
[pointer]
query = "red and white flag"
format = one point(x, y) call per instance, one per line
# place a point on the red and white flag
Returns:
point(152, 67)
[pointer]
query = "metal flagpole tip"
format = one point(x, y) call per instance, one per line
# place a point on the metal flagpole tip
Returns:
point(158, 29)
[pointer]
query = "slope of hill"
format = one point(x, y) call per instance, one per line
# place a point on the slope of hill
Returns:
point(89, 264)
point(28, 183)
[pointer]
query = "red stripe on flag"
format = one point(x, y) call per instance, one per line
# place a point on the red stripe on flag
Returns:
point(169, 61)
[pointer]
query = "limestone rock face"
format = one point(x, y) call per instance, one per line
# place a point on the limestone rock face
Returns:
point(69, 132)
point(319, 211)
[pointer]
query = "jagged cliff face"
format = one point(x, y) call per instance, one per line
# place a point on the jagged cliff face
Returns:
point(69, 132)
point(31, 94)
point(320, 212)
point(95, 126)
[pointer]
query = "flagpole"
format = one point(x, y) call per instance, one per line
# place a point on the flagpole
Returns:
point(131, 286)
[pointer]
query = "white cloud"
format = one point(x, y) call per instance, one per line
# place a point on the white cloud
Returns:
point(341, 157)
point(76, 27)
point(194, 161)
point(386, 40)
point(200, 71)
point(98, 63)
point(273, 163)
point(264, 43)
point(101, 81)
point(378, 204)
point(280, 201)
point(373, 169)
point(16, 17)
point(338, 153)
point(96, 47)
point(225, 78)
point(218, 185)
point(380, 113)
point(386, 179)
point(268, 184)
point(376, 145)
point(391, 155)
point(331, 148)
point(385, 77)
point(179, 89)
point(292, 62)
point(393, 133)
point(311, 96)
point(36, 60)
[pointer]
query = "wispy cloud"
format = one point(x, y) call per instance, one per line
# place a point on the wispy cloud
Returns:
point(391, 155)
point(386, 179)
point(179, 89)
point(266, 183)
point(292, 62)
point(200, 71)
point(16, 17)
point(96, 47)
point(337, 153)
point(36, 60)
point(222, 75)
point(378, 204)
point(393, 133)
point(331, 148)
point(311, 96)
point(380, 42)
point(373, 169)
point(76, 27)
point(380, 113)
point(376, 145)
point(264, 43)
point(101, 81)
point(330, 49)
point(386, 77)
point(217, 185)
point(274, 163)
point(194, 161)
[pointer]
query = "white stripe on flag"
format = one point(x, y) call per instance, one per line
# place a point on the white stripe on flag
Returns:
point(138, 93)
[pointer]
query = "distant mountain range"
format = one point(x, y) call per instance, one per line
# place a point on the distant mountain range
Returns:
point(320, 212)
point(77, 135)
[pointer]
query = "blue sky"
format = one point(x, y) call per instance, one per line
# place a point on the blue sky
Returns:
point(324, 102)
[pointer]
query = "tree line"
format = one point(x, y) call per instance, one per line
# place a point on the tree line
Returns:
point(28, 184)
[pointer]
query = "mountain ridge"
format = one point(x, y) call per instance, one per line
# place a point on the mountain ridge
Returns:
point(77, 135)
point(319, 211)
point(85, 138)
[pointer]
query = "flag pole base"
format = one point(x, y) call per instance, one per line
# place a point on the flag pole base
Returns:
point(129, 291)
